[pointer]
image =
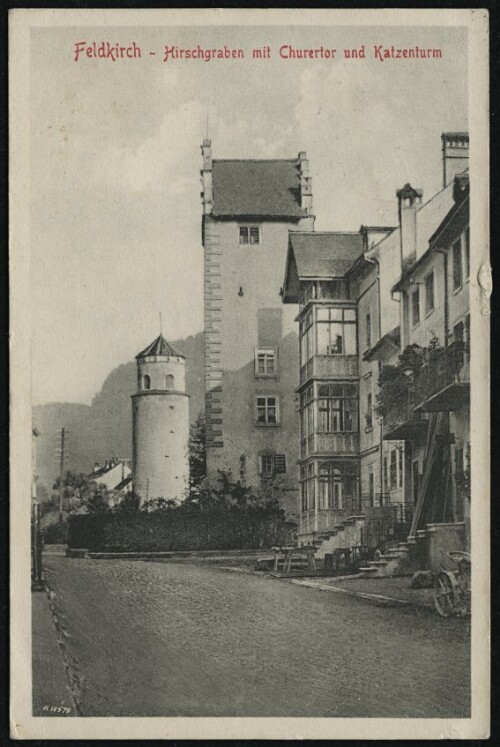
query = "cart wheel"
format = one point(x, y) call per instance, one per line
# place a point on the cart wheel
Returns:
point(444, 594)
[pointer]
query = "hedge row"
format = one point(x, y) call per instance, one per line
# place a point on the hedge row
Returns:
point(177, 530)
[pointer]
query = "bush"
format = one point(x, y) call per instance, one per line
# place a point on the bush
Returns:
point(56, 534)
point(179, 529)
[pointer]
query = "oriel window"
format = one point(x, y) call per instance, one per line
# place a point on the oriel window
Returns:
point(338, 482)
point(336, 331)
point(337, 408)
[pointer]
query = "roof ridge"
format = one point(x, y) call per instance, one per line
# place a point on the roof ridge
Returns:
point(326, 233)
point(255, 160)
point(436, 194)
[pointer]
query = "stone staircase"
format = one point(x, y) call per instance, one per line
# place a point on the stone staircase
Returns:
point(344, 535)
point(394, 562)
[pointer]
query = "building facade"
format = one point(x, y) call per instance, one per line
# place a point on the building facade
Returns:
point(317, 278)
point(336, 279)
point(357, 294)
point(160, 432)
point(435, 322)
point(251, 347)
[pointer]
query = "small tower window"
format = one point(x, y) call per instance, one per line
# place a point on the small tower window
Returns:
point(147, 382)
point(249, 235)
point(169, 381)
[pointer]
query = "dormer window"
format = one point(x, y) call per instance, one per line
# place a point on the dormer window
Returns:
point(249, 235)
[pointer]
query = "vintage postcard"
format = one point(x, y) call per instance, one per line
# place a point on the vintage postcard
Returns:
point(250, 290)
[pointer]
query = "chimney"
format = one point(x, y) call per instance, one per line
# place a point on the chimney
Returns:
point(409, 200)
point(206, 177)
point(455, 149)
point(305, 183)
point(96, 466)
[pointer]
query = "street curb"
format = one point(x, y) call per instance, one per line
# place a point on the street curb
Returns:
point(52, 692)
point(379, 600)
point(73, 675)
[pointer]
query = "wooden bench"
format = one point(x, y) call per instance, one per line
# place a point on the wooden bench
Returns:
point(288, 554)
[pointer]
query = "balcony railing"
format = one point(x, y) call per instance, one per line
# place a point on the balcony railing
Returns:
point(401, 423)
point(330, 366)
point(330, 443)
point(443, 384)
point(384, 521)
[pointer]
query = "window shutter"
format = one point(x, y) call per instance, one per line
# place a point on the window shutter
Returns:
point(279, 464)
point(254, 235)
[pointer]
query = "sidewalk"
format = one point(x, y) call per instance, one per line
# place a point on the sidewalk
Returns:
point(51, 692)
point(391, 592)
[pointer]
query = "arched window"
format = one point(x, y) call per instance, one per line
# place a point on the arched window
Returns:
point(169, 381)
point(147, 382)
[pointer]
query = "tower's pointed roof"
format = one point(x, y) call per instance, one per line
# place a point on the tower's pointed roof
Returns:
point(159, 347)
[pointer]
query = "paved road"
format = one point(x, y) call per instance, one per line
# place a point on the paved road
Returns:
point(165, 639)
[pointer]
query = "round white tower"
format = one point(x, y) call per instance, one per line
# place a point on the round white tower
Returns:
point(160, 410)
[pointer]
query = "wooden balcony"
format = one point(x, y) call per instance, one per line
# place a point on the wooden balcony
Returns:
point(443, 385)
point(330, 367)
point(402, 423)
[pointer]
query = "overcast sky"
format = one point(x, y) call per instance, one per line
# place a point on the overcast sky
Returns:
point(115, 156)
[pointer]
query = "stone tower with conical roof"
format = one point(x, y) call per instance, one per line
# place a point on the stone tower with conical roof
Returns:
point(160, 410)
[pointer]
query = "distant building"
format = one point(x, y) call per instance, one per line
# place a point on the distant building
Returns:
point(251, 348)
point(116, 476)
point(160, 424)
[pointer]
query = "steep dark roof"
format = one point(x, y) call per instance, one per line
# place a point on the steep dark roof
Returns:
point(124, 483)
point(268, 188)
point(101, 471)
point(319, 255)
point(452, 225)
point(325, 255)
point(159, 347)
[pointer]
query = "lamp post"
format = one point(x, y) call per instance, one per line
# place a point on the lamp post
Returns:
point(37, 582)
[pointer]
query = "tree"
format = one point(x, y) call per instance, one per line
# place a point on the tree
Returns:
point(396, 381)
point(129, 504)
point(97, 502)
point(81, 493)
point(197, 454)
